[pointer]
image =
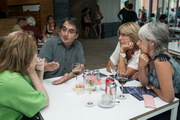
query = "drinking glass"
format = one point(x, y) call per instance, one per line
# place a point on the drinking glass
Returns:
point(90, 87)
point(122, 79)
point(96, 73)
point(90, 102)
point(76, 69)
point(113, 69)
point(85, 74)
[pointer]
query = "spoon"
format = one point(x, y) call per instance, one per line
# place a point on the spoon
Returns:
point(115, 101)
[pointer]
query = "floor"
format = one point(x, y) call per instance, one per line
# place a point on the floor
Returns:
point(98, 51)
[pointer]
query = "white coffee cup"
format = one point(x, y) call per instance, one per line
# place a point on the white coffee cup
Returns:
point(106, 99)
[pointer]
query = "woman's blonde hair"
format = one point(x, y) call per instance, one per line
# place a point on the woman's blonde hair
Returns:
point(131, 29)
point(17, 50)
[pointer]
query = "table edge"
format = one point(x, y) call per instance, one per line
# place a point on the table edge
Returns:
point(155, 110)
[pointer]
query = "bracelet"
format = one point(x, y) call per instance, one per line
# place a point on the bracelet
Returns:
point(122, 55)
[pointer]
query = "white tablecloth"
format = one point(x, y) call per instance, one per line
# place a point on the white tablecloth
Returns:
point(65, 104)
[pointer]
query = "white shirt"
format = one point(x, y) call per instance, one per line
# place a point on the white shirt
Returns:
point(172, 15)
point(132, 63)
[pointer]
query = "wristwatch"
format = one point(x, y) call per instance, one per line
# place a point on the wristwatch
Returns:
point(122, 55)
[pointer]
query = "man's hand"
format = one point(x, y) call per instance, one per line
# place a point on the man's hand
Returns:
point(51, 66)
point(61, 80)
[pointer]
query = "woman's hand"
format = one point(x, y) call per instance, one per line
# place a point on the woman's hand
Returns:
point(40, 65)
point(135, 76)
point(143, 61)
point(127, 46)
point(61, 80)
point(108, 66)
point(31, 68)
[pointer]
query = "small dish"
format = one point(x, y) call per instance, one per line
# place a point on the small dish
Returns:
point(79, 91)
point(105, 106)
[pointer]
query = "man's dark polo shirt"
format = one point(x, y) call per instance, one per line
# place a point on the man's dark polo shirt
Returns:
point(54, 50)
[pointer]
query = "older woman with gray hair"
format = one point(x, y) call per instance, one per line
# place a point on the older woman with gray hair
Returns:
point(32, 28)
point(157, 69)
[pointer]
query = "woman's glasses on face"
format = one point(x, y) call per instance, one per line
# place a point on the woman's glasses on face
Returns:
point(69, 31)
point(123, 35)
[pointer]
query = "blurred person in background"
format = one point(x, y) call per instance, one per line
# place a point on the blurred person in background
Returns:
point(172, 15)
point(98, 18)
point(123, 12)
point(163, 18)
point(21, 21)
point(32, 28)
point(131, 14)
point(50, 29)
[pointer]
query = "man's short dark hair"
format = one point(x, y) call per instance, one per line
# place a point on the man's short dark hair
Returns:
point(163, 17)
point(126, 3)
point(48, 17)
point(72, 21)
point(21, 18)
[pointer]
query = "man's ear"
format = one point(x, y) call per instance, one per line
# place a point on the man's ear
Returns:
point(77, 36)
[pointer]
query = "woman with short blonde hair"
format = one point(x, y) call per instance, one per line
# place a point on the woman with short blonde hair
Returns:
point(126, 54)
point(131, 29)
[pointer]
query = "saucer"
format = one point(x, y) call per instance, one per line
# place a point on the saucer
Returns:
point(105, 106)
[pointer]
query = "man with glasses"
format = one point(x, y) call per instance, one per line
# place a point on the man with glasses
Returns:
point(65, 50)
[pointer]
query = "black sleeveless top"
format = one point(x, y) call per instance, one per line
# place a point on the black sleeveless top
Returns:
point(153, 78)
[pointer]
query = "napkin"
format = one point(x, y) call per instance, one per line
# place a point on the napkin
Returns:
point(149, 101)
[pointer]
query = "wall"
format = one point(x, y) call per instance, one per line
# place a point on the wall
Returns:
point(109, 9)
point(6, 25)
point(31, 7)
point(46, 8)
point(61, 10)
point(14, 8)
point(76, 6)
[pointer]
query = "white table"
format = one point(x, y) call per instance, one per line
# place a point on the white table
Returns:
point(174, 29)
point(174, 32)
point(174, 48)
point(66, 105)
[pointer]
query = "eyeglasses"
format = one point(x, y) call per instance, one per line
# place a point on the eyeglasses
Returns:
point(69, 31)
point(123, 35)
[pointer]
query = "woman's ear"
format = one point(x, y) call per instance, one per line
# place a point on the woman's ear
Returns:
point(152, 43)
